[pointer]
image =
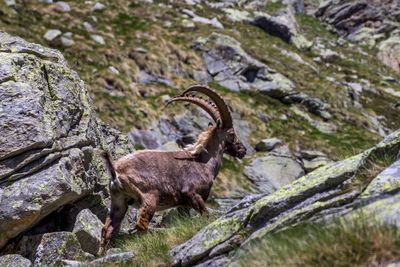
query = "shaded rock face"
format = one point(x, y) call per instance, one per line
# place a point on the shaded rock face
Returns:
point(284, 26)
point(273, 170)
point(318, 196)
point(48, 132)
point(367, 22)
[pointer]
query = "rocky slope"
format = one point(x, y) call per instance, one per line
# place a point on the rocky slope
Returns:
point(338, 189)
point(308, 85)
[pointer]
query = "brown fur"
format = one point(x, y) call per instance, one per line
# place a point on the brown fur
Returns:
point(157, 180)
point(201, 142)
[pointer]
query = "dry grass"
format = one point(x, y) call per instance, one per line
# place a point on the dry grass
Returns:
point(372, 168)
point(151, 249)
point(362, 242)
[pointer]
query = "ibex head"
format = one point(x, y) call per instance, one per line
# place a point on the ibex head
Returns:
point(219, 111)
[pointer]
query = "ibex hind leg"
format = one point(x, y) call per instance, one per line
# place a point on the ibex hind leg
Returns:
point(119, 206)
point(146, 212)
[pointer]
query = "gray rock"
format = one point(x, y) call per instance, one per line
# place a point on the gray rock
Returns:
point(323, 127)
point(147, 78)
point(88, 231)
point(213, 22)
point(312, 164)
point(98, 7)
point(63, 6)
point(329, 55)
point(88, 27)
point(313, 104)
point(233, 68)
point(10, 3)
point(47, 136)
point(271, 172)
point(366, 22)
point(66, 39)
point(122, 258)
point(283, 26)
point(14, 260)
point(52, 34)
point(98, 39)
point(268, 144)
point(389, 53)
point(58, 246)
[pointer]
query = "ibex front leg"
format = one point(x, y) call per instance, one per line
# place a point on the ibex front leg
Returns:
point(146, 212)
point(115, 216)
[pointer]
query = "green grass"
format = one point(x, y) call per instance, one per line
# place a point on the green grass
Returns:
point(363, 242)
point(151, 249)
point(372, 168)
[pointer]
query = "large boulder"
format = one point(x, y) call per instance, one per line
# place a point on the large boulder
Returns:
point(48, 133)
point(332, 190)
point(273, 170)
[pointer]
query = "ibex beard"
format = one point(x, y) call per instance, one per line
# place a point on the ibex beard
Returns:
point(156, 180)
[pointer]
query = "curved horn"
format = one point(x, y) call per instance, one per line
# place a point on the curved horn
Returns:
point(217, 99)
point(212, 111)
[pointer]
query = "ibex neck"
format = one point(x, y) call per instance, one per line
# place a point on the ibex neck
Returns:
point(213, 155)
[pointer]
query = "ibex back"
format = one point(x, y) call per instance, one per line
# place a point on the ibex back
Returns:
point(156, 180)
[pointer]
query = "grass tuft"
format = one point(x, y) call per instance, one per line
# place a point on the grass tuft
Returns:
point(151, 249)
point(362, 242)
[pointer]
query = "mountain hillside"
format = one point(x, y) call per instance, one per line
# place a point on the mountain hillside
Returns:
point(314, 90)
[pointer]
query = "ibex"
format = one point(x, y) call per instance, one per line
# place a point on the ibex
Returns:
point(156, 180)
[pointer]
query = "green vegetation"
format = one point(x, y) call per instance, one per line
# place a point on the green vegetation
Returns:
point(151, 249)
point(372, 168)
point(360, 242)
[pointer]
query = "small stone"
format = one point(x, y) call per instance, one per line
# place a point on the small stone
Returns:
point(165, 98)
point(98, 7)
point(63, 6)
point(52, 34)
point(268, 144)
point(14, 260)
point(283, 117)
point(141, 50)
point(87, 229)
point(66, 39)
point(98, 39)
point(329, 55)
point(311, 154)
point(88, 27)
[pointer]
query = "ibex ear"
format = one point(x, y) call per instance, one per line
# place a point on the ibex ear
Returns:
point(219, 124)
